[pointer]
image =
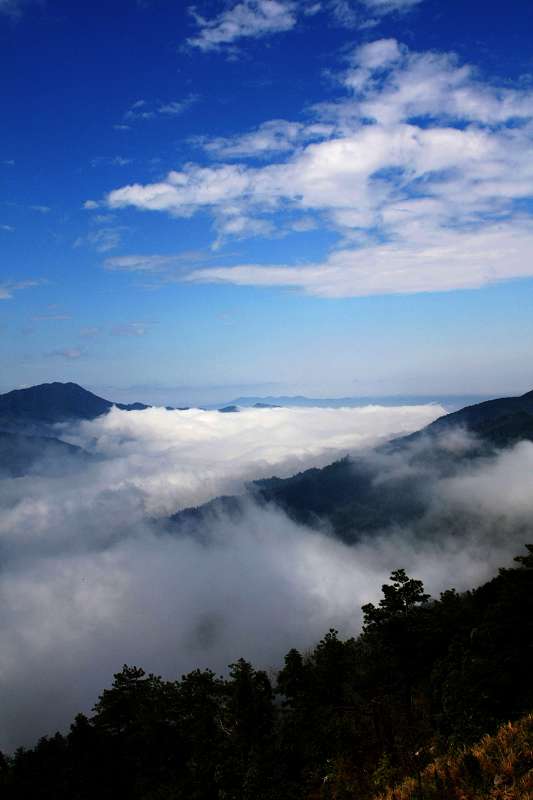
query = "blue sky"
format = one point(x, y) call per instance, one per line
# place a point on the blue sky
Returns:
point(271, 196)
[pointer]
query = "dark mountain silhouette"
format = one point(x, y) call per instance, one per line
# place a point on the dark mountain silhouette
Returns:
point(50, 403)
point(475, 417)
point(499, 422)
point(229, 410)
point(28, 441)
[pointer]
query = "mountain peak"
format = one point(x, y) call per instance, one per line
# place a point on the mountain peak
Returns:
point(49, 403)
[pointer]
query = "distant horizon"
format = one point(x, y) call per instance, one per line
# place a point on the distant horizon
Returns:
point(133, 394)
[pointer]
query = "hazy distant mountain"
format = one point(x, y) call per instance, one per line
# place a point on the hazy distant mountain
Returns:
point(20, 455)
point(50, 403)
point(451, 402)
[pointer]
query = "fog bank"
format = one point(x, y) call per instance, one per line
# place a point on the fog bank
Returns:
point(90, 581)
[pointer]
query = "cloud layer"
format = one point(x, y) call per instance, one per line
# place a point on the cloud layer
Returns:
point(91, 577)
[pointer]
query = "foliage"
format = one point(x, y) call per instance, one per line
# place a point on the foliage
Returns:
point(499, 767)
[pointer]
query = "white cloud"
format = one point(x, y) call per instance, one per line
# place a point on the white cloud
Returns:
point(247, 19)
point(428, 260)
point(257, 18)
point(177, 459)
point(419, 150)
point(354, 13)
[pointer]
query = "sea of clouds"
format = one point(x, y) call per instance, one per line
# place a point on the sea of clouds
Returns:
point(91, 577)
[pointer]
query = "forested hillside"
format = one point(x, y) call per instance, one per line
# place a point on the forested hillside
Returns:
point(345, 720)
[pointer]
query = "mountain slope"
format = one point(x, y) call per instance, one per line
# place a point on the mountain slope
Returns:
point(499, 767)
point(20, 454)
point(391, 486)
point(482, 417)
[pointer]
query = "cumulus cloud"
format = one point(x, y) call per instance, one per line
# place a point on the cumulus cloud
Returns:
point(93, 577)
point(417, 159)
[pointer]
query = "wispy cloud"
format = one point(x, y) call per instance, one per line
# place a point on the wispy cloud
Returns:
point(14, 8)
point(90, 332)
point(132, 328)
point(68, 353)
point(112, 161)
point(176, 107)
point(103, 239)
point(143, 110)
point(273, 136)
point(41, 209)
point(253, 19)
point(140, 263)
point(8, 288)
point(247, 19)
point(52, 316)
